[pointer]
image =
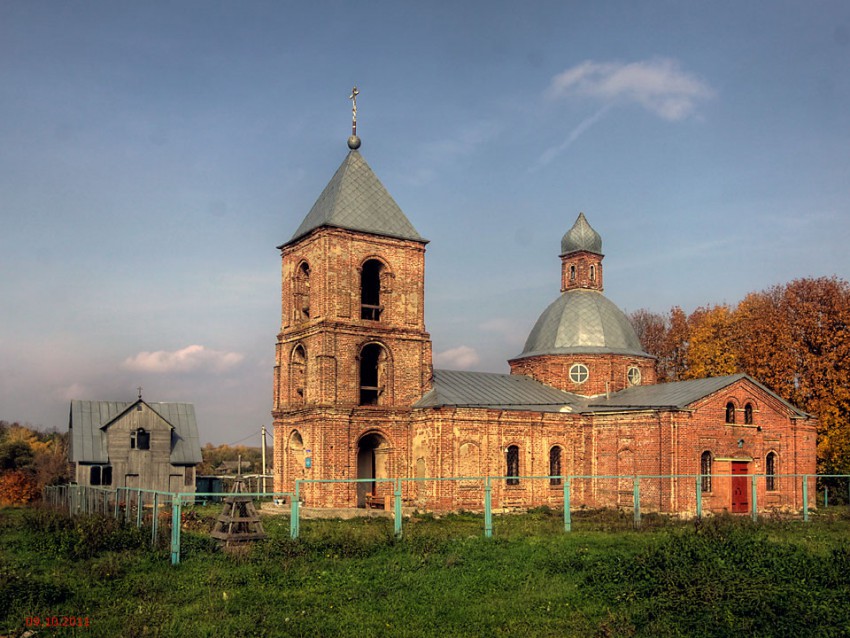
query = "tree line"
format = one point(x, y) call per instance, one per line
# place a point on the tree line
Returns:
point(794, 338)
point(29, 460)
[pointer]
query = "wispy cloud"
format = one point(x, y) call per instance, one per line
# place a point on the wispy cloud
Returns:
point(659, 85)
point(188, 359)
point(460, 358)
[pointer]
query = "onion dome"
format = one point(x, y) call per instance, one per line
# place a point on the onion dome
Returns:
point(581, 237)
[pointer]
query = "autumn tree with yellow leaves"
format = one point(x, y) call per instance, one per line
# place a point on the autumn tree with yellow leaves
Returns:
point(793, 338)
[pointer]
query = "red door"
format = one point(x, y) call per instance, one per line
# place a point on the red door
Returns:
point(740, 488)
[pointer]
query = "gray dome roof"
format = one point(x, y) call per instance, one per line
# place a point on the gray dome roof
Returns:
point(581, 237)
point(582, 321)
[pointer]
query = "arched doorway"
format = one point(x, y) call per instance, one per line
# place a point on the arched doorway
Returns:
point(371, 464)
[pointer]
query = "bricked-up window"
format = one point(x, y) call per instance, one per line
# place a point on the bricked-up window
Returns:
point(770, 472)
point(730, 412)
point(705, 471)
point(298, 374)
point(370, 290)
point(748, 414)
point(140, 439)
point(302, 292)
point(373, 373)
point(100, 475)
point(512, 458)
point(555, 465)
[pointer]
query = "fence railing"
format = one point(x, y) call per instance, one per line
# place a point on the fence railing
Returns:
point(163, 511)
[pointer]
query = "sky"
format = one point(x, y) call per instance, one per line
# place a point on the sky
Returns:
point(154, 154)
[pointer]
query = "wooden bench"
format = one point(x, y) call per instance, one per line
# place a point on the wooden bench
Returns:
point(374, 502)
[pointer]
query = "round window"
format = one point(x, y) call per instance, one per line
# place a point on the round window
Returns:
point(579, 373)
point(633, 375)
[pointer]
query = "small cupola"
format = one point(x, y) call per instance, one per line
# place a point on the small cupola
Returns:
point(581, 257)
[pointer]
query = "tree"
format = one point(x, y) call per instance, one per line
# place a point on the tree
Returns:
point(710, 343)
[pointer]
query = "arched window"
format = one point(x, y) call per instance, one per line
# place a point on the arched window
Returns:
point(705, 471)
point(140, 439)
point(748, 414)
point(298, 374)
point(302, 291)
point(512, 463)
point(370, 290)
point(770, 472)
point(555, 465)
point(730, 412)
point(593, 273)
point(373, 374)
point(572, 273)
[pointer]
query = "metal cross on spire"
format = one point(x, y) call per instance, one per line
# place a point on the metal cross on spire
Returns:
point(140, 391)
point(353, 98)
point(354, 141)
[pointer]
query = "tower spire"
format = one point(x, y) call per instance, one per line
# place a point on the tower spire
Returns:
point(354, 141)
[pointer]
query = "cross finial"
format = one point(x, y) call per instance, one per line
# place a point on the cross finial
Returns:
point(354, 141)
point(140, 391)
point(353, 98)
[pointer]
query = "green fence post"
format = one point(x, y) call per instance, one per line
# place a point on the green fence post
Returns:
point(755, 508)
point(568, 522)
point(139, 508)
point(117, 499)
point(155, 519)
point(293, 513)
point(398, 508)
point(636, 484)
point(699, 495)
point(488, 509)
point(805, 498)
point(175, 528)
point(825, 496)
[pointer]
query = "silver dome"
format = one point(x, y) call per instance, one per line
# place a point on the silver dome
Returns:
point(582, 321)
point(581, 237)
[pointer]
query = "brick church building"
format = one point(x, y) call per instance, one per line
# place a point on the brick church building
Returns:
point(356, 396)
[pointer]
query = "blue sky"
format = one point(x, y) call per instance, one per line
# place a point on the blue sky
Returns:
point(153, 154)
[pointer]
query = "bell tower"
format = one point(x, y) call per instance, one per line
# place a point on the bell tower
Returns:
point(352, 354)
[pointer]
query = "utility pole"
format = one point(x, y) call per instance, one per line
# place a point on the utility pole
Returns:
point(264, 458)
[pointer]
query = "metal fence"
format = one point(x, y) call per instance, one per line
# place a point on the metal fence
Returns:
point(163, 511)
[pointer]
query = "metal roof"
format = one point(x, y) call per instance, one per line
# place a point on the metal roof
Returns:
point(89, 421)
point(581, 237)
point(675, 395)
point(458, 388)
point(355, 199)
point(582, 321)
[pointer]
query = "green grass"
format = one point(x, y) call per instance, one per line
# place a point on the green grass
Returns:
point(722, 577)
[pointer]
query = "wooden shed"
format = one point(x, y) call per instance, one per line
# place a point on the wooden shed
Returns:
point(138, 444)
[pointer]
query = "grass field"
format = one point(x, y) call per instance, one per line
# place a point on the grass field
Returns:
point(721, 577)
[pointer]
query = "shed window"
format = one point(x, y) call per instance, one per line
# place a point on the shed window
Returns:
point(100, 475)
point(770, 472)
point(370, 290)
point(730, 412)
point(748, 414)
point(555, 465)
point(140, 439)
point(189, 476)
point(705, 471)
point(512, 459)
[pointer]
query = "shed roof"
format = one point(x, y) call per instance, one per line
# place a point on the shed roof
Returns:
point(355, 199)
point(89, 421)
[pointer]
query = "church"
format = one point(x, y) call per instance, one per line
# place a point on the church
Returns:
point(356, 396)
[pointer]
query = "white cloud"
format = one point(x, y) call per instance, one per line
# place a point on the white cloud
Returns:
point(460, 358)
point(188, 359)
point(659, 85)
